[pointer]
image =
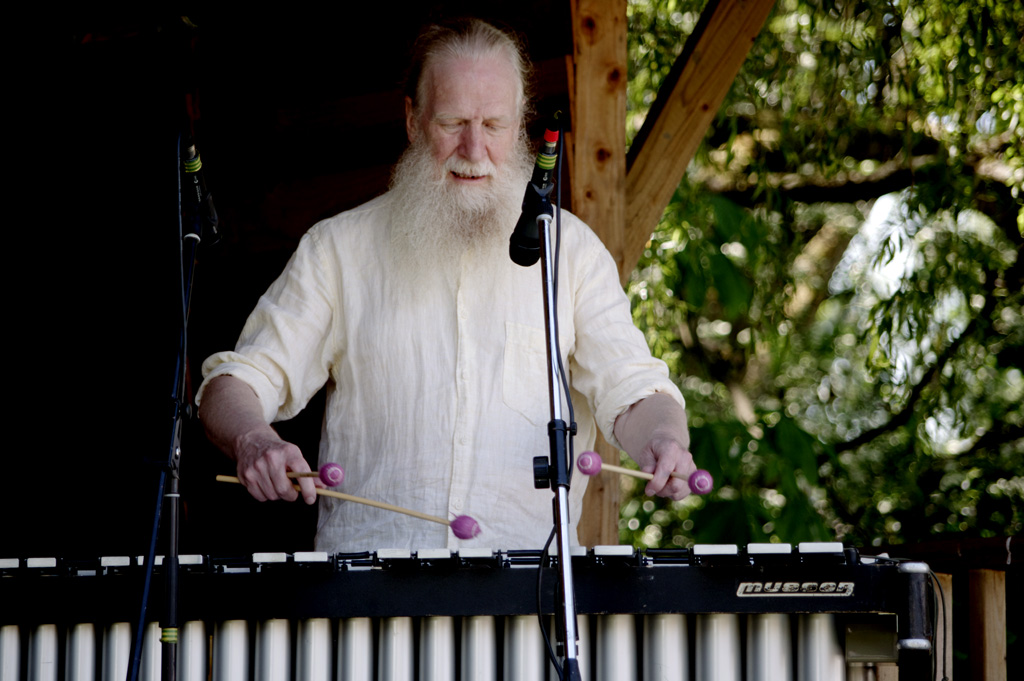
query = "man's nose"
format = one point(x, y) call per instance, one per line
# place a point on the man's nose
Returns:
point(472, 146)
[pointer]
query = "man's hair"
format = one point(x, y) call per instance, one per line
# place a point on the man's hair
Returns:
point(472, 38)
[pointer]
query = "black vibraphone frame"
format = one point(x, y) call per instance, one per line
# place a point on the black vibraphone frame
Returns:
point(608, 580)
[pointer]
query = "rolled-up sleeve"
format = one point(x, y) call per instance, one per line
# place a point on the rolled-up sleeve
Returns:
point(286, 346)
point(611, 364)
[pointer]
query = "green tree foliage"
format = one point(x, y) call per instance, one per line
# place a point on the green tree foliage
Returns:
point(837, 282)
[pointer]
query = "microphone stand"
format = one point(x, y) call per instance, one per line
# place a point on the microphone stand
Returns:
point(203, 221)
point(532, 239)
point(554, 471)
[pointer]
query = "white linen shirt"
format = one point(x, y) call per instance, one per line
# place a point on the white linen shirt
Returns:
point(438, 401)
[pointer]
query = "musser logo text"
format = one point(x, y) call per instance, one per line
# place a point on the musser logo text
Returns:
point(795, 589)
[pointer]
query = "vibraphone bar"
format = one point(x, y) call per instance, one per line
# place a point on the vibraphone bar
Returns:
point(769, 611)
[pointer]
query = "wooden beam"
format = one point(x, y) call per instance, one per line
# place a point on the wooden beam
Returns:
point(684, 109)
point(597, 95)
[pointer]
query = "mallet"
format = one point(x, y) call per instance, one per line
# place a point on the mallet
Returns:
point(589, 463)
point(463, 526)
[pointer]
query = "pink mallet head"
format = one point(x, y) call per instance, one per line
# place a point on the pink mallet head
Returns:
point(589, 463)
point(331, 474)
point(701, 482)
point(464, 527)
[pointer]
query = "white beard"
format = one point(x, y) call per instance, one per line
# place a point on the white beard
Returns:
point(434, 221)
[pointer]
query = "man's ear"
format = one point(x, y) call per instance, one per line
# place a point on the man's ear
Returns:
point(410, 119)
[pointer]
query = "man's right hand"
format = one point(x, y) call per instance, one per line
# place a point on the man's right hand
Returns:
point(233, 418)
point(264, 460)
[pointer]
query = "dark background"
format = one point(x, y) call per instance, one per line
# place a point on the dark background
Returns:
point(297, 116)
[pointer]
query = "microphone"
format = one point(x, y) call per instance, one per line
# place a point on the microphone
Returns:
point(524, 244)
point(207, 214)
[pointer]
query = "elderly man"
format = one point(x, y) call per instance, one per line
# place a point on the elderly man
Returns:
point(431, 340)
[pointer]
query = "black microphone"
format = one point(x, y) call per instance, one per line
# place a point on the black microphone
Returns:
point(524, 244)
point(209, 223)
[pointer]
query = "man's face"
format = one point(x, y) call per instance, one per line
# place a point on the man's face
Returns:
point(468, 117)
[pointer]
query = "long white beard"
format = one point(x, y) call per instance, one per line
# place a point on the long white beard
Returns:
point(434, 221)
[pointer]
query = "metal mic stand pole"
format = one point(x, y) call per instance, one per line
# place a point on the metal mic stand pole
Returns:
point(203, 222)
point(555, 472)
point(168, 493)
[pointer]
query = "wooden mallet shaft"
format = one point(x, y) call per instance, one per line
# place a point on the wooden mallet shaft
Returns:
point(358, 500)
point(463, 526)
point(637, 474)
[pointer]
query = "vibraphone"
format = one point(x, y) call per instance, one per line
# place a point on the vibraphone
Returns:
point(768, 611)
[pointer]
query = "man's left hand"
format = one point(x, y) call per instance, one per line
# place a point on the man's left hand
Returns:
point(653, 431)
point(662, 456)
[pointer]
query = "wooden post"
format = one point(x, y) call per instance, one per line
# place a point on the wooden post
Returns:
point(987, 639)
point(598, 102)
point(597, 95)
point(887, 671)
point(944, 632)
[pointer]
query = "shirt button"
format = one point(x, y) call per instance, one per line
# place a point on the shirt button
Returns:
point(457, 504)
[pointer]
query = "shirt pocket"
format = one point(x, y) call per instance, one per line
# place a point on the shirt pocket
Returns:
point(524, 385)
